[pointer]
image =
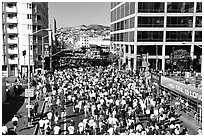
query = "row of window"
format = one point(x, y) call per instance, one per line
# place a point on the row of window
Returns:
point(125, 24)
point(151, 49)
point(157, 22)
point(157, 36)
point(172, 7)
point(128, 8)
point(122, 11)
point(125, 37)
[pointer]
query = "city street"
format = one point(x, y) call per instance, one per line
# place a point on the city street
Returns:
point(102, 68)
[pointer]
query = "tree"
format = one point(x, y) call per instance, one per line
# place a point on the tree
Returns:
point(181, 59)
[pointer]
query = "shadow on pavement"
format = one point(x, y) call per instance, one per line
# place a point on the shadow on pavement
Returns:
point(11, 132)
point(10, 108)
point(26, 128)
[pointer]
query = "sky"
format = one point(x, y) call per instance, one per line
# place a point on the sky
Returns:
point(71, 14)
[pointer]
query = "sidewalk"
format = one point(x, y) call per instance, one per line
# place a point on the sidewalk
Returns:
point(22, 128)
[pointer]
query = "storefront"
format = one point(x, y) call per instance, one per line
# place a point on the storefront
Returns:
point(190, 95)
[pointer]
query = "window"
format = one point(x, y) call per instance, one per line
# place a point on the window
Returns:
point(132, 49)
point(118, 13)
point(198, 36)
point(11, 26)
point(132, 7)
point(13, 56)
point(117, 26)
point(131, 36)
point(180, 7)
point(122, 11)
point(126, 48)
point(111, 16)
point(13, 46)
point(132, 63)
point(114, 15)
point(112, 5)
point(39, 27)
point(38, 17)
point(179, 21)
point(132, 22)
point(10, 5)
point(178, 36)
point(29, 27)
point(150, 21)
point(127, 9)
point(29, 6)
point(4, 67)
point(199, 21)
point(125, 36)
point(127, 24)
point(29, 16)
point(121, 25)
point(150, 36)
point(151, 7)
point(13, 67)
point(199, 7)
point(11, 16)
point(12, 36)
point(121, 37)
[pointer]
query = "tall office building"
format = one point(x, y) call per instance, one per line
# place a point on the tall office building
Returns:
point(155, 28)
point(18, 20)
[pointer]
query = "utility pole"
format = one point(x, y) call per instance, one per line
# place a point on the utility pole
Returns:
point(156, 57)
point(50, 45)
point(29, 77)
point(172, 61)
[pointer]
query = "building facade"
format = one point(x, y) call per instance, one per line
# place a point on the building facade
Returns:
point(83, 41)
point(155, 28)
point(18, 20)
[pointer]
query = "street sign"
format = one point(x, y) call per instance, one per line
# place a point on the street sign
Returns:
point(29, 92)
point(29, 106)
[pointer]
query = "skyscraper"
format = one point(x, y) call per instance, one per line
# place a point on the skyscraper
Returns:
point(18, 20)
point(155, 28)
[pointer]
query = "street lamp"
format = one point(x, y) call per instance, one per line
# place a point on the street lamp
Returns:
point(156, 56)
point(29, 35)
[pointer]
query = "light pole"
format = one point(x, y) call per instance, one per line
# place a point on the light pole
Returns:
point(29, 35)
point(156, 56)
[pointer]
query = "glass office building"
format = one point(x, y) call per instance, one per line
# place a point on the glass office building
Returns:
point(155, 28)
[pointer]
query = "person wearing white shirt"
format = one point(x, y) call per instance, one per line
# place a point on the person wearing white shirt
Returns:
point(41, 125)
point(49, 116)
point(81, 127)
point(56, 130)
point(15, 122)
point(71, 129)
point(4, 130)
point(110, 130)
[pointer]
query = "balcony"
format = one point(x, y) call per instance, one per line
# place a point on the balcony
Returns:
point(12, 41)
point(12, 20)
point(13, 51)
point(12, 30)
point(13, 61)
point(11, 9)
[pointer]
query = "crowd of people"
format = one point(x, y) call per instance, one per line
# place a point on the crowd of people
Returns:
point(113, 102)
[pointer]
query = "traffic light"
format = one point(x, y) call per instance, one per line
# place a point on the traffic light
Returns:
point(24, 52)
